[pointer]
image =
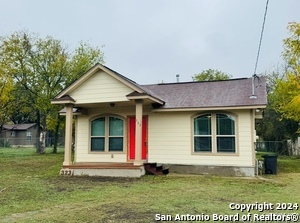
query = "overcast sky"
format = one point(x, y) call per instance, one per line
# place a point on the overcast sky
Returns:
point(151, 41)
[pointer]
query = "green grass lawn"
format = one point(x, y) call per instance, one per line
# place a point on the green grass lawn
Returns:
point(31, 190)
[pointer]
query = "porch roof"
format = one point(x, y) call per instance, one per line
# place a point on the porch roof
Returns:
point(137, 90)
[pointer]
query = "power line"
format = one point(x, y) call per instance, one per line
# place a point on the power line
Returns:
point(261, 36)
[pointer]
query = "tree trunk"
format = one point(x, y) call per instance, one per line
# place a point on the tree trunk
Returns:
point(56, 134)
point(38, 132)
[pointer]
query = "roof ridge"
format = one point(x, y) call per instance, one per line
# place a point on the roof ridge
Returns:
point(124, 77)
point(191, 82)
point(141, 87)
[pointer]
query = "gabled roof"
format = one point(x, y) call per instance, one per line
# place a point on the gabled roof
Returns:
point(211, 94)
point(234, 93)
point(141, 87)
point(63, 96)
point(18, 126)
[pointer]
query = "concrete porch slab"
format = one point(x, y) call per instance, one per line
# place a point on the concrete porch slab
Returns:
point(103, 169)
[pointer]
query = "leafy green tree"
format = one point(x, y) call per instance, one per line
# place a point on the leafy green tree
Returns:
point(288, 90)
point(6, 87)
point(211, 75)
point(288, 97)
point(21, 111)
point(273, 126)
point(40, 69)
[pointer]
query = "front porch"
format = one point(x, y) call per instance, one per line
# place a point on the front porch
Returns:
point(110, 128)
point(122, 159)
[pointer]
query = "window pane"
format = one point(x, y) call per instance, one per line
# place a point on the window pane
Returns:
point(202, 144)
point(116, 144)
point(97, 144)
point(98, 127)
point(226, 144)
point(115, 126)
point(202, 125)
point(225, 125)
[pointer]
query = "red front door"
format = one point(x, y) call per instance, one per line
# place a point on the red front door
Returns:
point(131, 138)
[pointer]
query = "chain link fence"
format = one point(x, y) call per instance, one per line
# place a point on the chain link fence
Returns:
point(285, 147)
point(28, 142)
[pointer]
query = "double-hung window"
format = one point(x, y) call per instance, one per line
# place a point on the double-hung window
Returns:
point(107, 134)
point(225, 133)
point(28, 136)
point(215, 133)
point(202, 134)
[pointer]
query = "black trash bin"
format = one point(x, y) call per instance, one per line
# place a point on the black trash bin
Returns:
point(270, 161)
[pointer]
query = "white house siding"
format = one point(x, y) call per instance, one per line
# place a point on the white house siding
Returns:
point(170, 141)
point(101, 87)
point(83, 153)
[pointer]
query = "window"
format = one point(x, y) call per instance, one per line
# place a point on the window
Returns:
point(28, 136)
point(202, 133)
point(214, 133)
point(107, 134)
point(225, 133)
point(13, 134)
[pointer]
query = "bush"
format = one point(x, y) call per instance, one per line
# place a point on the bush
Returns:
point(5, 143)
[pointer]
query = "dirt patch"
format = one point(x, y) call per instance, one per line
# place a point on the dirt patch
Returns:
point(123, 213)
point(106, 213)
point(85, 183)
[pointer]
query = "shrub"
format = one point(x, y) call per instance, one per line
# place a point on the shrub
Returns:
point(5, 143)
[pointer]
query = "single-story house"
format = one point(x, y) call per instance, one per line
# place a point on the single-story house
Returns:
point(19, 134)
point(192, 127)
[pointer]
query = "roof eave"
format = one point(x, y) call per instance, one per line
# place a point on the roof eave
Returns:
point(65, 99)
point(149, 97)
point(62, 102)
point(208, 108)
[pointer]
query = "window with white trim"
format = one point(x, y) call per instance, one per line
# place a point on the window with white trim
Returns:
point(215, 133)
point(28, 136)
point(107, 134)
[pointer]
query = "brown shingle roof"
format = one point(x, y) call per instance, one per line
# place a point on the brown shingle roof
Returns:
point(18, 126)
point(235, 92)
point(209, 94)
point(64, 98)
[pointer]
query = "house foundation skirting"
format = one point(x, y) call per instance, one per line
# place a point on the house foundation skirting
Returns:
point(213, 170)
point(107, 170)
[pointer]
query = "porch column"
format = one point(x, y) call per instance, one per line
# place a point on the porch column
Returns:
point(68, 134)
point(138, 131)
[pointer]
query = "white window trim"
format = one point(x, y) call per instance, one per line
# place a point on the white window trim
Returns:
point(106, 136)
point(214, 134)
point(28, 136)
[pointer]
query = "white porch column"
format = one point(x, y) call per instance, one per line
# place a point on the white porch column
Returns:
point(138, 131)
point(68, 134)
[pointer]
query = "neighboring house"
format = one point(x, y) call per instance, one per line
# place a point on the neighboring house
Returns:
point(19, 134)
point(193, 127)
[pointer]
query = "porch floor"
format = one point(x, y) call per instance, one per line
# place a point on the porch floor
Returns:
point(102, 166)
point(104, 169)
